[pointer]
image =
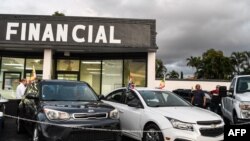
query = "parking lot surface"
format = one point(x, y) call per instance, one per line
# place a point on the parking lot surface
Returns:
point(9, 133)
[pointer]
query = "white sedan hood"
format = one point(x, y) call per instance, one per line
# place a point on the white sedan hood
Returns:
point(187, 114)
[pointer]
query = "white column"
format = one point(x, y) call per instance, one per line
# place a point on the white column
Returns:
point(47, 64)
point(151, 69)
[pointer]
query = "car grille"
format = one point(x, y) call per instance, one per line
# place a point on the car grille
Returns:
point(212, 132)
point(209, 122)
point(90, 116)
point(92, 135)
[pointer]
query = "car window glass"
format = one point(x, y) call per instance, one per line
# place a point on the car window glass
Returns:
point(161, 99)
point(67, 92)
point(243, 85)
point(115, 96)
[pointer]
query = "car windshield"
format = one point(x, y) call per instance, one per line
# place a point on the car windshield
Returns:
point(67, 91)
point(243, 85)
point(162, 99)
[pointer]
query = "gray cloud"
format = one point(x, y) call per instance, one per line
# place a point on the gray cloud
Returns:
point(185, 27)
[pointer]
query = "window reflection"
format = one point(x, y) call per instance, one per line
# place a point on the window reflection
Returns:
point(135, 68)
point(37, 63)
point(67, 65)
point(112, 75)
point(91, 73)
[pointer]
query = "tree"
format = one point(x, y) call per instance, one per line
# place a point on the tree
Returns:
point(173, 74)
point(58, 14)
point(237, 58)
point(211, 65)
point(160, 69)
point(194, 62)
point(246, 62)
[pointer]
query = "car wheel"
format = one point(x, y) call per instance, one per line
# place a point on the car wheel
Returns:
point(118, 137)
point(1, 126)
point(19, 126)
point(152, 133)
point(36, 134)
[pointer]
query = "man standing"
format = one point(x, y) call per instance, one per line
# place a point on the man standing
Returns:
point(198, 97)
point(21, 89)
point(215, 101)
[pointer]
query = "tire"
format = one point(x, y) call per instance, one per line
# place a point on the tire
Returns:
point(37, 136)
point(152, 133)
point(118, 137)
point(19, 126)
point(1, 125)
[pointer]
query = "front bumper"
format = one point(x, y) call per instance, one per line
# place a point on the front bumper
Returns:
point(172, 134)
point(91, 130)
point(243, 121)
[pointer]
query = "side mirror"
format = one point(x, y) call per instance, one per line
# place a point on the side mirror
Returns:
point(31, 96)
point(101, 97)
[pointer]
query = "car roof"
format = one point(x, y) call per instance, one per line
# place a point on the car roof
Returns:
point(143, 89)
point(61, 81)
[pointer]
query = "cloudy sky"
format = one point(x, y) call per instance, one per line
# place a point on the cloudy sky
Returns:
point(184, 27)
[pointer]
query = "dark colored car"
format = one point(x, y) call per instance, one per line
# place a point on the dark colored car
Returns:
point(62, 110)
point(187, 95)
point(2, 112)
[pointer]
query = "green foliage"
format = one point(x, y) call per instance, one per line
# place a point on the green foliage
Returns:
point(173, 74)
point(214, 65)
point(58, 14)
point(160, 69)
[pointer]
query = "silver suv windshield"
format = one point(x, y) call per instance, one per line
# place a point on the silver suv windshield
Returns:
point(243, 85)
point(65, 91)
point(162, 99)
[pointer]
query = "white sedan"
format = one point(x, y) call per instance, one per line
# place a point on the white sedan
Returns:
point(159, 115)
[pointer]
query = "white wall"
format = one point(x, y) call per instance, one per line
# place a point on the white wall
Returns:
point(189, 84)
point(151, 69)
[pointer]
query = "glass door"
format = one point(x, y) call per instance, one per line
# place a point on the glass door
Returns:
point(11, 80)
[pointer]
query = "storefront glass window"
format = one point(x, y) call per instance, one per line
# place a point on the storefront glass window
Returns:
point(112, 75)
point(91, 73)
point(38, 66)
point(135, 69)
point(12, 70)
point(37, 63)
point(67, 65)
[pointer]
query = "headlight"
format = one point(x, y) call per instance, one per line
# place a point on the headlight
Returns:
point(244, 106)
point(56, 115)
point(114, 114)
point(181, 125)
point(245, 109)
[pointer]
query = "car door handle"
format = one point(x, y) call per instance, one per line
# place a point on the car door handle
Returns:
point(120, 111)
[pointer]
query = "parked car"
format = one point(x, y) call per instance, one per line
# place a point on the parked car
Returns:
point(2, 111)
point(187, 95)
point(157, 115)
point(61, 110)
point(236, 102)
